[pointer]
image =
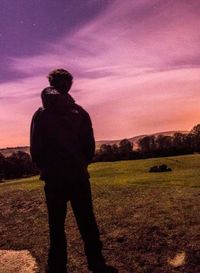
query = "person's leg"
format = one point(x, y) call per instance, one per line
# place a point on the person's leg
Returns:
point(57, 208)
point(81, 202)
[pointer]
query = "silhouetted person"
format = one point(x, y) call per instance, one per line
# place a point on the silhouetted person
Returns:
point(62, 145)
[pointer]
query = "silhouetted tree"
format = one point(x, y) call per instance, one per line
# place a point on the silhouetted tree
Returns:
point(188, 142)
point(11, 168)
point(18, 165)
point(105, 153)
point(115, 149)
point(147, 144)
point(178, 140)
point(195, 130)
point(125, 146)
point(182, 143)
point(105, 149)
point(125, 149)
point(195, 133)
point(2, 163)
point(164, 143)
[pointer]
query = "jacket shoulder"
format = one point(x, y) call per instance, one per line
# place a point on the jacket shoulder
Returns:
point(38, 112)
point(81, 111)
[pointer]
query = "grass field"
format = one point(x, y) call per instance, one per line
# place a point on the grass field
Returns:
point(146, 219)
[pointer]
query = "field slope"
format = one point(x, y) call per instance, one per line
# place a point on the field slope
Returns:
point(149, 222)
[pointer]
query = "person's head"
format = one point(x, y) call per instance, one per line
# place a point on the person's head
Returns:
point(61, 80)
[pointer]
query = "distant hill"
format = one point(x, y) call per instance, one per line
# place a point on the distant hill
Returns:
point(135, 139)
point(8, 151)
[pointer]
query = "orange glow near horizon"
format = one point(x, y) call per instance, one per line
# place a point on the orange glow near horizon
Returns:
point(136, 70)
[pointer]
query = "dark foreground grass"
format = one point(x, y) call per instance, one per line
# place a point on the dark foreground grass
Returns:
point(145, 218)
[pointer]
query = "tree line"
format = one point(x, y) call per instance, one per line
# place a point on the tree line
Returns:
point(19, 164)
point(152, 146)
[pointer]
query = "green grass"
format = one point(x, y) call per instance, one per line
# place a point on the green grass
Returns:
point(145, 218)
point(29, 183)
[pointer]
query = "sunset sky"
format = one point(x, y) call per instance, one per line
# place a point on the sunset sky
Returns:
point(136, 64)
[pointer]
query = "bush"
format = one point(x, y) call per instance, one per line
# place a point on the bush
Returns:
point(161, 168)
point(17, 165)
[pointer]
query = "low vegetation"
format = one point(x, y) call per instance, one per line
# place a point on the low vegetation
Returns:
point(18, 164)
point(151, 146)
point(149, 222)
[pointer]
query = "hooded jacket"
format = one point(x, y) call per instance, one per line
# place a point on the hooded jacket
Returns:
point(61, 137)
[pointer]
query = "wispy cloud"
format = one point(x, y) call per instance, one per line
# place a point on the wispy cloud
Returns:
point(136, 66)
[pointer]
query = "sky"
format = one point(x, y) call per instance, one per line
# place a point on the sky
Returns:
point(136, 64)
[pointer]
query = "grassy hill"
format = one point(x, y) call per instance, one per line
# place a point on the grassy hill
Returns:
point(149, 222)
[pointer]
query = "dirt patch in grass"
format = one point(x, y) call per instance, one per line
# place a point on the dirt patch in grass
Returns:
point(17, 262)
point(178, 260)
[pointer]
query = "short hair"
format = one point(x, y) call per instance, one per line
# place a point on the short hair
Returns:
point(58, 75)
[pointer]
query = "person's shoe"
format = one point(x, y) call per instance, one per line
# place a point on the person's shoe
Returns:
point(105, 269)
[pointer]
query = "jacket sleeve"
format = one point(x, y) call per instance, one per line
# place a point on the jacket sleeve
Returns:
point(87, 138)
point(36, 139)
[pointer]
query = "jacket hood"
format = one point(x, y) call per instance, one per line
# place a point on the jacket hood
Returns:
point(55, 101)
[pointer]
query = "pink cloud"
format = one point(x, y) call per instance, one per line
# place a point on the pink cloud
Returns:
point(136, 67)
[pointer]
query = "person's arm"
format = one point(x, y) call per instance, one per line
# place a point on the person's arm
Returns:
point(36, 139)
point(87, 138)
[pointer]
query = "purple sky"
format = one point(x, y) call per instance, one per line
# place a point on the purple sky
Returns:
point(136, 64)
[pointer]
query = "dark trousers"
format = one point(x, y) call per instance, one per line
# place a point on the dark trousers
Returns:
point(79, 194)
